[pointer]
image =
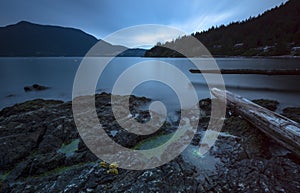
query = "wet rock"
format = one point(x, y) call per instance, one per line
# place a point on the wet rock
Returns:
point(5, 187)
point(254, 142)
point(22, 169)
point(41, 164)
point(37, 154)
point(17, 146)
point(35, 87)
point(10, 95)
point(80, 157)
point(262, 176)
point(292, 113)
point(205, 104)
point(196, 139)
point(50, 143)
point(27, 88)
point(268, 104)
point(28, 106)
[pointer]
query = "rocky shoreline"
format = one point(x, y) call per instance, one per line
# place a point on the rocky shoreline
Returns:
point(41, 151)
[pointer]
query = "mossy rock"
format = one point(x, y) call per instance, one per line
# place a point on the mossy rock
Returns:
point(153, 142)
point(69, 149)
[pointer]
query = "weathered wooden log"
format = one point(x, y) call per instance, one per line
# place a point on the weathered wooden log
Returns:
point(283, 130)
point(249, 71)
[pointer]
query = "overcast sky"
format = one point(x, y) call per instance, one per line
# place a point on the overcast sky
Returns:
point(103, 17)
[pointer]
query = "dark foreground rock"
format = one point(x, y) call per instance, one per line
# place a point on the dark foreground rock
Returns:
point(292, 113)
point(268, 104)
point(41, 151)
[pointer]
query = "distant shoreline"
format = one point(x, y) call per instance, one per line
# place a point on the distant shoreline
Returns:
point(283, 56)
point(218, 56)
point(224, 56)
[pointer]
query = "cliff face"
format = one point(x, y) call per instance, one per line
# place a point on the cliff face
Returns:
point(275, 32)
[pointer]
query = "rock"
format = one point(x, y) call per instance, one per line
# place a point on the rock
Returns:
point(38, 87)
point(16, 147)
point(5, 187)
point(41, 164)
point(10, 95)
point(292, 113)
point(21, 170)
point(35, 87)
point(255, 144)
point(27, 88)
point(205, 104)
point(28, 106)
point(41, 151)
point(268, 104)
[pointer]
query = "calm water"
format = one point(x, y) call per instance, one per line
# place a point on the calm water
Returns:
point(59, 73)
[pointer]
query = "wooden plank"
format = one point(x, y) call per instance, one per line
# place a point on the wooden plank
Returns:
point(249, 71)
point(283, 130)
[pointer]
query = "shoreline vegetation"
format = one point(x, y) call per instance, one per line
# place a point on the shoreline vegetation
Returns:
point(42, 151)
point(273, 33)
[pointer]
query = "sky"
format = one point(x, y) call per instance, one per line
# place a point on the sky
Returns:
point(101, 18)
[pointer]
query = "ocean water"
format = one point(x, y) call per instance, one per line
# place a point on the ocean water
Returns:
point(58, 73)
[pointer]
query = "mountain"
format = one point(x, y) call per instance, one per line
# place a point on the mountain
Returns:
point(275, 32)
point(28, 39)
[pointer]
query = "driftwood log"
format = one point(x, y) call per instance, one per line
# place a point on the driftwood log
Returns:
point(249, 71)
point(283, 130)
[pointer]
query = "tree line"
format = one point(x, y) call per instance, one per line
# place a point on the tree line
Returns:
point(273, 33)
